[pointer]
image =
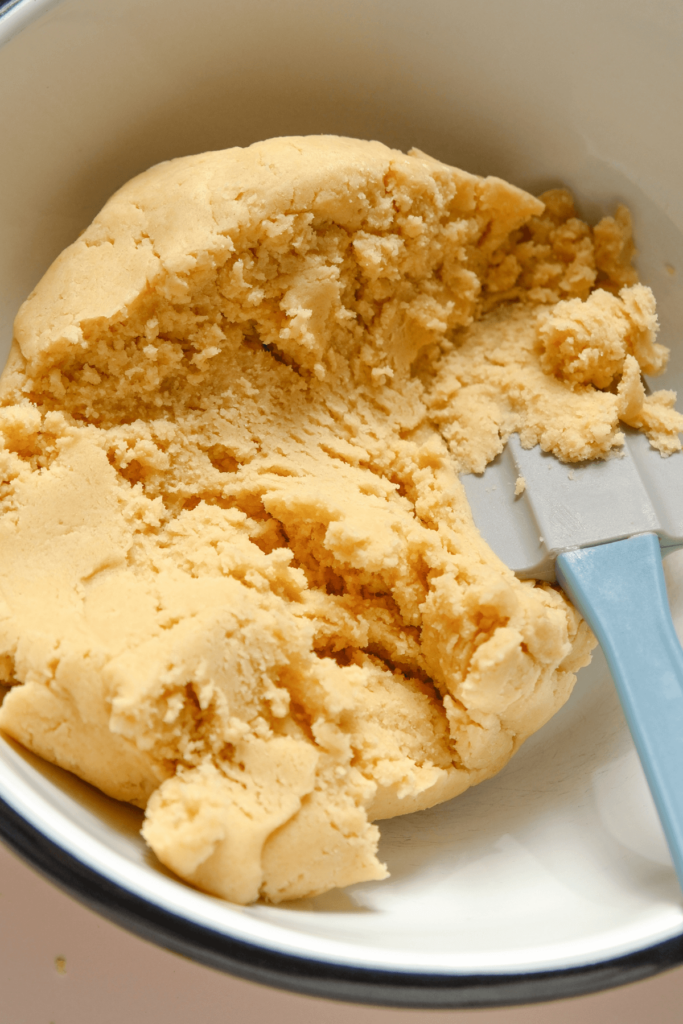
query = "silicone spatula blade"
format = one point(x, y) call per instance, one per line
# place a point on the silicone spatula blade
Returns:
point(599, 529)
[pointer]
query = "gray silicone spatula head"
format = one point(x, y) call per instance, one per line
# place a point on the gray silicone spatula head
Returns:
point(598, 523)
point(563, 506)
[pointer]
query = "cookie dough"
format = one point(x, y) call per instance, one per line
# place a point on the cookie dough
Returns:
point(241, 584)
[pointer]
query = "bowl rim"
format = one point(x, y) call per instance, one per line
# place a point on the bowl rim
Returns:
point(319, 978)
point(300, 974)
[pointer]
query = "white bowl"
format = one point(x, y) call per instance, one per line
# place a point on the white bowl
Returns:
point(553, 878)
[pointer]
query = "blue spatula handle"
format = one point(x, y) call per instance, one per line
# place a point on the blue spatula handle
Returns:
point(619, 589)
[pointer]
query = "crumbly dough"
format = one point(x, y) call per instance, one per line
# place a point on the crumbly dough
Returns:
point(242, 587)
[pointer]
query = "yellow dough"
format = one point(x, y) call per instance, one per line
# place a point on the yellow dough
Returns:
point(241, 584)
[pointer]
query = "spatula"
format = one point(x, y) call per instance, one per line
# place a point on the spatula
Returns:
point(600, 530)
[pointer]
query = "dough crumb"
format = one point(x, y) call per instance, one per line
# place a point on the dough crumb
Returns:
point(588, 342)
point(520, 486)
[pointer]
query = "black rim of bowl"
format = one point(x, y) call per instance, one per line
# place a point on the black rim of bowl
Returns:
point(315, 977)
point(7, 5)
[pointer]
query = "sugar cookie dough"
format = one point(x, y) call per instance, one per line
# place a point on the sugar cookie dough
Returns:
point(241, 585)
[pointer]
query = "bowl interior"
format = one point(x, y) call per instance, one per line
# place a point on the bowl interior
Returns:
point(559, 860)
